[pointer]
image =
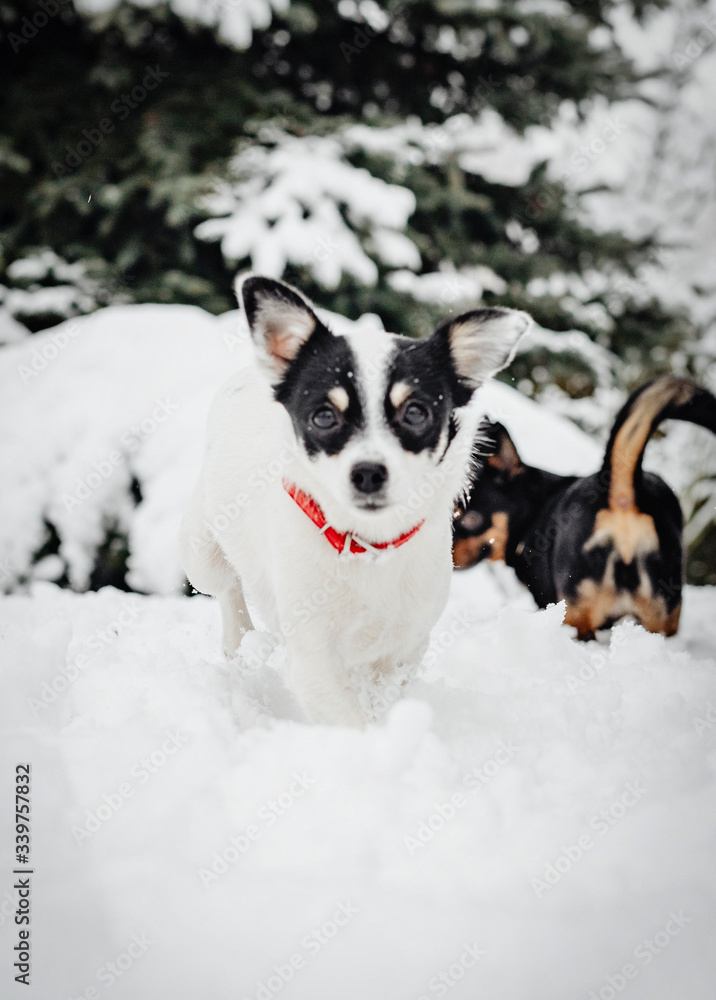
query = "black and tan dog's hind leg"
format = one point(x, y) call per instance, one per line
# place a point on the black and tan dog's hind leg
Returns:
point(634, 553)
point(609, 544)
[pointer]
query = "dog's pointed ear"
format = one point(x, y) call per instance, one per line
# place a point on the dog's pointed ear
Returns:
point(280, 319)
point(483, 342)
point(504, 457)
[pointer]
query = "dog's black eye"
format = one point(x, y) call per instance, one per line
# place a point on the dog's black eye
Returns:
point(325, 418)
point(415, 415)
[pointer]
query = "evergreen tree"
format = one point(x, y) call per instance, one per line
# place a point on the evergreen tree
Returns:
point(109, 172)
point(381, 156)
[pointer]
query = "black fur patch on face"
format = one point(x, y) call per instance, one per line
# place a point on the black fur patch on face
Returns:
point(422, 390)
point(320, 394)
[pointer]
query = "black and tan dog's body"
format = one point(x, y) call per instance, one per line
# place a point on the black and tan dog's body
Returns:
point(609, 544)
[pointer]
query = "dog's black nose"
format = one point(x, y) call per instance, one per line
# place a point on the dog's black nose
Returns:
point(368, 477)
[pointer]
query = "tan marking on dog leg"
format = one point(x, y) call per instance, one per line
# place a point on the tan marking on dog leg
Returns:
point(594, 605)
point(652, 614)
point(579, 615)
point(597, 604)
point(671, 625)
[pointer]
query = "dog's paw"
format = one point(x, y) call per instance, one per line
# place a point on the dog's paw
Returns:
point(256, 648)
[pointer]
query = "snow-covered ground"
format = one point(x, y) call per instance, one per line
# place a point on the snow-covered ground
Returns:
point(532, 819)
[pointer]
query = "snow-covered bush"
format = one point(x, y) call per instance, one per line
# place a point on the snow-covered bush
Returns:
point(297, 201)
point(46, 289)
point(235, 20)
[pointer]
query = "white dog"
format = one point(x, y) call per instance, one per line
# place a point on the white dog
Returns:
point(328, 488)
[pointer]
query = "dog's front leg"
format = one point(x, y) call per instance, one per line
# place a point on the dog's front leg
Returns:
point(316, 679)
point(235, 618)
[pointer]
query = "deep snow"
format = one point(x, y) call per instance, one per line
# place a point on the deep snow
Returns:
point(157, 753)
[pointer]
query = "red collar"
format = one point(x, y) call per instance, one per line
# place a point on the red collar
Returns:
point(342, 542)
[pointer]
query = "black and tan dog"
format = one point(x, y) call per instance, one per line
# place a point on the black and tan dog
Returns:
point(609, 544)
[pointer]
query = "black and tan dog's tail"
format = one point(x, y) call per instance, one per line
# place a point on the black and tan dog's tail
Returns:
point(665, 398)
